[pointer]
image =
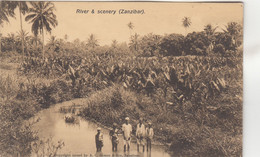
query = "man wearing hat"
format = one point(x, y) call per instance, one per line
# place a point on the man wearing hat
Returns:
point(127, 130)
point(140, 134)
point(114, 137)
point(99, 140)
point(149, 135)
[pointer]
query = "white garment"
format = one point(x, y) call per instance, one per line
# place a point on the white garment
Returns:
point(127, 142)
point(127, 129)
point(140, 130)
point(149, 133)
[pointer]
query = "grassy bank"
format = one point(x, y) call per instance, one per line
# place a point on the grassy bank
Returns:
point(194, 103)
point(219, 134)
point(21, 98)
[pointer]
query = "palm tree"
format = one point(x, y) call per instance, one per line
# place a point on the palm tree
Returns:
point(52, 40)
point(130, 25)
point(134, 42)
point(42, 17)
point(233, 28)
point(186, 22)
point(66, 37)
point(210, 32)
point(53, 43)
point(92, 42)
point(114, 44)
point(235, 31)
point(22, 36)
point(35, 40)
point(6, 9)
point(23, 8)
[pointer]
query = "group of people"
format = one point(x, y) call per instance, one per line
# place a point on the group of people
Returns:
point(142, 133)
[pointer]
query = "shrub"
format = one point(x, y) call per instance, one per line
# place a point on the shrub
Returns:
point(150, 45)
point(225, 40)
point(219, 48)
point(196, 43)
point(16, 136)
point(180, 95)
point(172, 45)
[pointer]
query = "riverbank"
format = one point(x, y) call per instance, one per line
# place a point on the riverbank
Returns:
point(79, 138)
point(20, 101)
point(76, 108)
point(115, 103)
point(199, 104)
point(187, 104)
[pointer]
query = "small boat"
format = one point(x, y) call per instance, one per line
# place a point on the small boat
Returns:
point(69, 118)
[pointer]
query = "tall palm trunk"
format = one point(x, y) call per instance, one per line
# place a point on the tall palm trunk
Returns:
point(0, 43)
point(21, 30)
point(42, 43)
point(42, 39)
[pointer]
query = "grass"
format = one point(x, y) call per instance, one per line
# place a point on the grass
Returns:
point(204, 122)
point(20, 101)
point(218, 135)
point(209, 123)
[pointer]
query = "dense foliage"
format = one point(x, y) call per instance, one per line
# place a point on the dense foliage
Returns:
point(196, 43)
point(205, 43)
point(20, 100)
point(188, 97)
point(189, 86)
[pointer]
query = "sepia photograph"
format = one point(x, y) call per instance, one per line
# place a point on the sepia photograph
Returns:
point(121, 79)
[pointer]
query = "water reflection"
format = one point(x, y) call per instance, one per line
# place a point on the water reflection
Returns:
point(79, 138)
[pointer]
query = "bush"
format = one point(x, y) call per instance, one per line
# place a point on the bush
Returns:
point(180, 95)
point(225, 40)
point(219, 48)
point(150, 45)
point(111, 107)
point(172, 45)
point(15, 135)
point(196, 43)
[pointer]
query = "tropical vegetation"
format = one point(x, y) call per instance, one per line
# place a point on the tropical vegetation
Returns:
point(189, 86)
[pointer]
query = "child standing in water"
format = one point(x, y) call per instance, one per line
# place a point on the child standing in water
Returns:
point(114, 137)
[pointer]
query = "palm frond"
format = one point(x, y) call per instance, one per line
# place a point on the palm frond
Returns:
point(29, 17)
point(23, 7)
point(35, 27)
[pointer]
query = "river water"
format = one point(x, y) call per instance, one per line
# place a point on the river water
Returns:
point(79, 138)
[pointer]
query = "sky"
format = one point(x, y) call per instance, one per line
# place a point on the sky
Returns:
point(158, 18)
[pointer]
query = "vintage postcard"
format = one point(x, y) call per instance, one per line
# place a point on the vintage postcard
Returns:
point(115, 79)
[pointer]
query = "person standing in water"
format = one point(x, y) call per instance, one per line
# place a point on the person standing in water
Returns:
point(114, 137)
point(149, 135)
point(140, 134)
point(127, 130)
point(99, 140)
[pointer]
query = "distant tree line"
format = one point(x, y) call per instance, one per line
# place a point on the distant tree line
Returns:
point(203, 43)
point(41, 16)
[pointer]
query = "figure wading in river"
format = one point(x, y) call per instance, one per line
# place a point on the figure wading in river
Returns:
point(149, 135)
point(140, 134)
point(114, 137)
point(99, 140)
point(127, 131)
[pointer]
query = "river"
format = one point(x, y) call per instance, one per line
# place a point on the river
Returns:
point(79, 138)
